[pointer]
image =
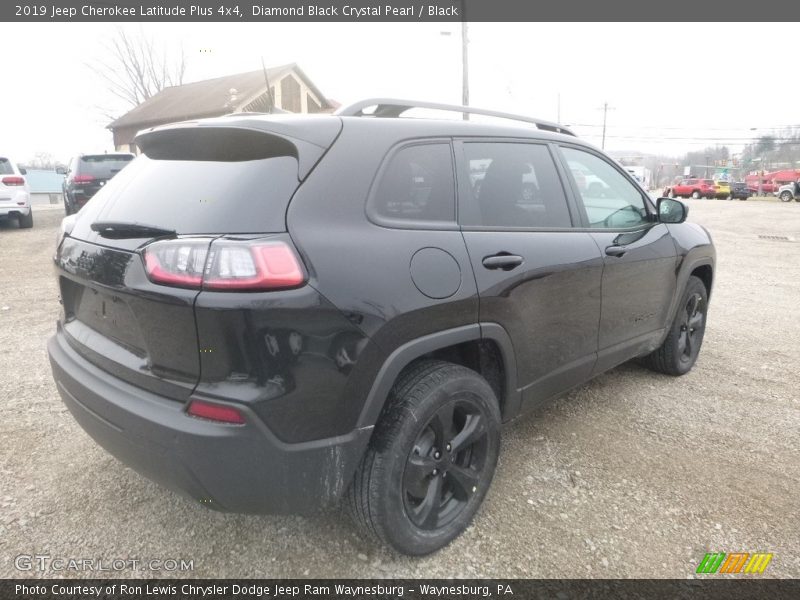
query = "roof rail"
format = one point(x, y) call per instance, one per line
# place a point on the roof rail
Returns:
point(392, 107)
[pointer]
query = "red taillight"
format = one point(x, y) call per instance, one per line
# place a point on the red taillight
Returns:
point(13, 180)
point(260, 266)
point(177, 263)
point(224, 266)
point(83, 179)
point(215, 412)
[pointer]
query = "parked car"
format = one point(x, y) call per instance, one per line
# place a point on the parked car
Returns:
point(789, 192)
point(768, 185)
point(15, 197)
point(722, 189)
point(247, 326)
point(87, 173)
point(694, 188)
point(740, 191)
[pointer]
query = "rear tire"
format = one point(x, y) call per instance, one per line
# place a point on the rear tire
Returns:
point(430, 460)
point(680, 349)
point(26, 221)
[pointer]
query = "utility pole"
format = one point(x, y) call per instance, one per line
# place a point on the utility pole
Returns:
point(558, 119)
point(605, 108)
point(464, 62)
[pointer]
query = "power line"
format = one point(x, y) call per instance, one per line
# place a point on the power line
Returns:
point(689, 127)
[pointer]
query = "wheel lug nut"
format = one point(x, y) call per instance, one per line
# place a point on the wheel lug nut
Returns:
point(436, 471)
point(444, 473)
point(449, 447)
point(437, 455)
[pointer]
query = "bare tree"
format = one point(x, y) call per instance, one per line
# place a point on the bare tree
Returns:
point(135, 69)
point(42, 160)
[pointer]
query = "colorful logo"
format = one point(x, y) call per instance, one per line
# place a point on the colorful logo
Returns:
point(736, 562)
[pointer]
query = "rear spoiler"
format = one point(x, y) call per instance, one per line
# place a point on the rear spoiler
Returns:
point(246, 138)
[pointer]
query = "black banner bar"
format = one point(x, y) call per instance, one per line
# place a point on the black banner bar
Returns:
point(453, 589)
point(713, 11)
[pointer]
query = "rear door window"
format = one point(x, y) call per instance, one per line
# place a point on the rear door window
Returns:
point(513, 185)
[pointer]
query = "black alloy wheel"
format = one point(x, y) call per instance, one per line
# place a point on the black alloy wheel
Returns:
point(445, 466)
point(692, 328)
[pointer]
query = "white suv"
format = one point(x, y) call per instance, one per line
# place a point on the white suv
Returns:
point(15, 197)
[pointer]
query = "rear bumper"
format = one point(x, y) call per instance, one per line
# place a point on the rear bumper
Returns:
point(9, 209)
point(239, 468)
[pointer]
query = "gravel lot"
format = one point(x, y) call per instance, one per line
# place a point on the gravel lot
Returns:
point(632, 475)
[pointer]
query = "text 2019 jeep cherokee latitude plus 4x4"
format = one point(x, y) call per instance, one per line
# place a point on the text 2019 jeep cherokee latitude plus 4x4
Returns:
point(272, 313)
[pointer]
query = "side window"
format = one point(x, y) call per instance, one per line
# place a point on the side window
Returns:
point(513, 185)
point(417, 185)
point(610, 200)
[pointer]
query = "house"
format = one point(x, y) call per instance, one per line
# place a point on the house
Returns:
point(291, 90)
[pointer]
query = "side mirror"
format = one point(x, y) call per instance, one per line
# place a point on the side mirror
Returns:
point(671, 210)
point(61, 170)
point(23, 171)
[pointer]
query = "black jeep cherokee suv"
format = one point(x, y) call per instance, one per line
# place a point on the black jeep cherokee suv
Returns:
point(272, 313)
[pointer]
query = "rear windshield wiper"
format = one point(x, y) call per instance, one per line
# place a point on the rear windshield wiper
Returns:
point(119, 230)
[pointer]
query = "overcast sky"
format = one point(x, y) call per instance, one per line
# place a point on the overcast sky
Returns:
point(673, 87)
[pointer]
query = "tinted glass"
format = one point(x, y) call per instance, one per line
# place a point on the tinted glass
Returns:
point(192, 196)
point(103, 165)
point(5, 167)
point(418, 185)
point(513, 185)
point(610, 200)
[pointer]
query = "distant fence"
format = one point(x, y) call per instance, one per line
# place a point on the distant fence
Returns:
point(41, 181)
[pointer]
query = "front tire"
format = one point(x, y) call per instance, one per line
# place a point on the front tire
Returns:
point(430, 461)
point(786, 197)
point(696, 195)
point(680, 349)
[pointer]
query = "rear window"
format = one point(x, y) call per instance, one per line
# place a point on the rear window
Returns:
point(203, 183)
point(6, 168)
point(103, 165)
point(708, 181)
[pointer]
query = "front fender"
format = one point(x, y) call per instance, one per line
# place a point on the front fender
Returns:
point(695, 249)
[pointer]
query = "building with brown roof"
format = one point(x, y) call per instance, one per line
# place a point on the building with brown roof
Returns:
point(290, 87)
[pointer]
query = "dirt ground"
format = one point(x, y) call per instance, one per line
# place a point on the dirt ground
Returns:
point(632, 475)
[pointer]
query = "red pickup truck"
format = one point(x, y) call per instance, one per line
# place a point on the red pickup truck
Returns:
point(696, 188)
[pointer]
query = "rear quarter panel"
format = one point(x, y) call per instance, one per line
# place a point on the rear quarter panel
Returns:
point(363, 268)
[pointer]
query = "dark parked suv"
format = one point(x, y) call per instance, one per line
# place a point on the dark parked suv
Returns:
point(740, 191)
point(273, 313)
point(87, 173)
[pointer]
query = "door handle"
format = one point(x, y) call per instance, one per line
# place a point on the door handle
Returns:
point(502, 260)
point(616, 250)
